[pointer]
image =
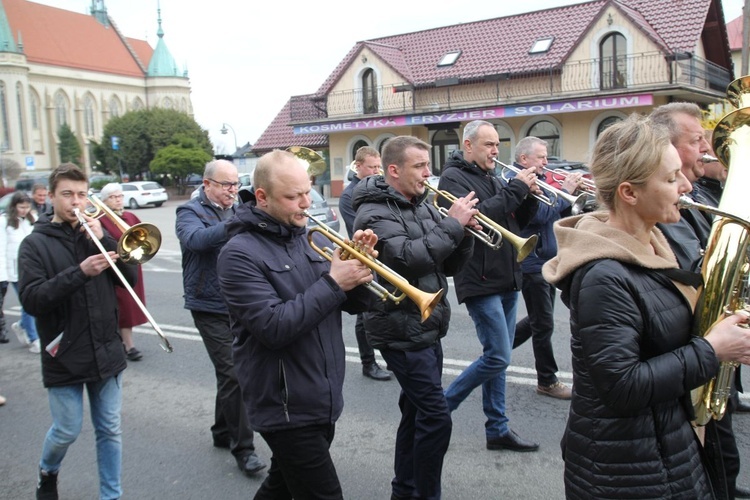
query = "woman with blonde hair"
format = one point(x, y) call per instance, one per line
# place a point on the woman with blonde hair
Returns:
point(130, 314)
point(629, 432)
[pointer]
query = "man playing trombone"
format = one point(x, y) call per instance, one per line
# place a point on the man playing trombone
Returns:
point(419, 244)
point(490, 281)
point(539, 296)
point(63, 283)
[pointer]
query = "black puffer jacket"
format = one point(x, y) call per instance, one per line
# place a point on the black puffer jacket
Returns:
point(420, 245)
point(634, 364)
point(489, 271)
point(64, 300)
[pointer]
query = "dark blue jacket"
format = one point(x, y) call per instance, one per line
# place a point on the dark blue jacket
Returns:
point(202, 233)
point(285, 314)
point(345, 205)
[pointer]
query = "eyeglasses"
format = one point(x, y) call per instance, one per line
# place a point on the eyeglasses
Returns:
point(226, 186)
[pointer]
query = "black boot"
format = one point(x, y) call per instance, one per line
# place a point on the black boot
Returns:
point(46, 488)
point(3, 332)
point(373, 371)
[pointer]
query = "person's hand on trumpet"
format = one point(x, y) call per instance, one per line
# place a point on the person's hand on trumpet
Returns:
point(350, 273)
point(572, 182)
point(463, 210)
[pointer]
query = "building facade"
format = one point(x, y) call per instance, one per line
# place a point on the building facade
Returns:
point(562, 74)
point(60, 67)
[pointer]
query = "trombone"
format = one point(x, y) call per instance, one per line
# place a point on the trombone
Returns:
point(138, 243)
point(164, 341)
point(576, 202)
point(493, 233)
point(424, 300)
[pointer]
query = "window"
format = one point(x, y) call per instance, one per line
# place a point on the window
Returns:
point(4, 117)
point(34, 99)
point(166, 103)
point(504, 150)
point(137, 104)
point(88, 116)
point(444, 143)
point(61, 110)
point(606, 123)
point(547, 131)
point(613, 62)
point(114, 107)
point(542, 45)
point(21, 115)
point(369, 92)
point(449, 59)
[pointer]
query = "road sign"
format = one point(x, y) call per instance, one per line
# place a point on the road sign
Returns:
point(115, 142)
point(29, 163)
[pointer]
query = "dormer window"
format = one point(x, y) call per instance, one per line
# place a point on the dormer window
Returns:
point(542, 45)
point(449, 59)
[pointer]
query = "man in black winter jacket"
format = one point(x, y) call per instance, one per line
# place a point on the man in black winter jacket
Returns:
point(285, 303)
point(65, 283)
point(490, 282)
point(418, 244)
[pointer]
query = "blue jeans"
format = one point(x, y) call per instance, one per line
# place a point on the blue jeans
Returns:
point(66, 407)
point(27, 322)
point(494, 317)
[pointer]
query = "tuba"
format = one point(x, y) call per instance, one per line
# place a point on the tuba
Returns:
point(725, 267)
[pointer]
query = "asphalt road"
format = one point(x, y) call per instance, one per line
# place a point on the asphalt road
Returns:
point(169, 399)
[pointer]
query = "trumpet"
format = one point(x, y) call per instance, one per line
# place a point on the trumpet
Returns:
point(424, 300)
point(576, 202)
point(493, 233)
point(164, 341)
point(587, 185)
point(138, 243)
point(706, 158)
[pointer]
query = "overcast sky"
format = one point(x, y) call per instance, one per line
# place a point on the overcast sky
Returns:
point(245, 59)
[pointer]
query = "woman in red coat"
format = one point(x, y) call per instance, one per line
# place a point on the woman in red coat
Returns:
point(130, 314)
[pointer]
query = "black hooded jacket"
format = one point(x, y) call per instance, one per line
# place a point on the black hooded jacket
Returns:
point(416, 242)
point(54, 290)
point(489, 271)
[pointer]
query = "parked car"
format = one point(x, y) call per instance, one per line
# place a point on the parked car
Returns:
point(194, 181)
point(143, 193)
point(26, 183)
point(565, 167)
point(5, 202)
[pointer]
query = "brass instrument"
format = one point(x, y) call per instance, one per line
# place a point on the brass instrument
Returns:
point(725, 263)
point(576, 202)
point(587, 185)
point(314, 163)
point(425, 301)
point(706, 158)
point(164, 341)
point(493, 233)
point(138, 243)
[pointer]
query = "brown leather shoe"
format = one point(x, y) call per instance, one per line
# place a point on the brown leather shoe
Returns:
point(558, 390)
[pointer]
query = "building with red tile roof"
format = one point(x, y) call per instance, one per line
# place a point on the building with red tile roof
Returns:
point(562, 74)
point(64, 67)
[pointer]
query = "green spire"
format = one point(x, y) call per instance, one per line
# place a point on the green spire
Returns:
point(162, 63)
point(7, 43)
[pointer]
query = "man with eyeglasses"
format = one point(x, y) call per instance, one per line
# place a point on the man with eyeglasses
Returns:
point(201, 229)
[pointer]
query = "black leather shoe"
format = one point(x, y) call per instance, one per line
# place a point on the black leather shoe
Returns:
point(250, 464)
point(373, 371)
point(742, 407)
point(513, 442)
point(740, 492)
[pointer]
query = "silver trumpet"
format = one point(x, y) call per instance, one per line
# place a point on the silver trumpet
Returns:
point(708, 159)
point(576, 202)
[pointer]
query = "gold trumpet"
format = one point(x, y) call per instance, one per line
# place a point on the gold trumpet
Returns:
point(576, 202)
point(138, 243)
point(493, 233)
point(164, 341)
point(424, 300)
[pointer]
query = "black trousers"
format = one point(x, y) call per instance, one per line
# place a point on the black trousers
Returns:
point(301, 465)
point(425, 429)
point(366, 352)
point(230, 419)
point(539, 325)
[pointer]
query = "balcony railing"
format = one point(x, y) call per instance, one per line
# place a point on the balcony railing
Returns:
point(637, 72)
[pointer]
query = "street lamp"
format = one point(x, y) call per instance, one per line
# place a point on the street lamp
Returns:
point(224, 132)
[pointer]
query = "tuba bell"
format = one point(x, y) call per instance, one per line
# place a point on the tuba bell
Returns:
point(725, 267)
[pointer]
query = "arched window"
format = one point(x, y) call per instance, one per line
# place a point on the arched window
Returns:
point(613, 71)
point(4, 117)
point(444, 143)
point(504, 149)
point(137, 104)
point(166, 103)
point(114, 107)
point(359, 144)
point(61, 110)
point(369, 92)
point(88, 116)
point(21, 115)
point(547, 131)
point(606, 123)
point(34, 100)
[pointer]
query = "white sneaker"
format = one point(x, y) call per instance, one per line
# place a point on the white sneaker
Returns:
point(20, 333)
point(35, 347)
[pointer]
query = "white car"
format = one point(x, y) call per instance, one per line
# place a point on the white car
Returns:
point(143, 193)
